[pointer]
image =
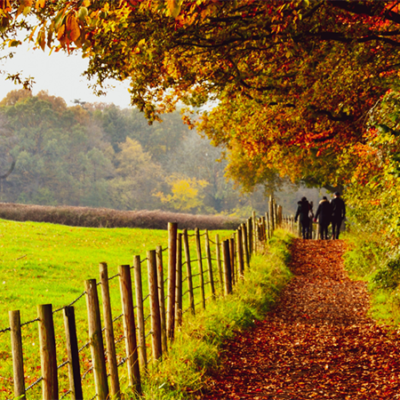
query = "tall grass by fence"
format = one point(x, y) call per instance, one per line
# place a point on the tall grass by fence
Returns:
point(123, 347)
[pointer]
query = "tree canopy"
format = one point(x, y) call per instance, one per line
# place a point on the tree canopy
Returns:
point(293, 80)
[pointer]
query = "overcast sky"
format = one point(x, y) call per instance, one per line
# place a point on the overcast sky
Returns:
point(60, 75)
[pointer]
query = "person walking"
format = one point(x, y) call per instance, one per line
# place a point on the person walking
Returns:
point(302, 213)
point(338, 214)
point(324, 215)
point(311, 217)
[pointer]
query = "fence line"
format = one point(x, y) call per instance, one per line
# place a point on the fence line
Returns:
point(229, 258)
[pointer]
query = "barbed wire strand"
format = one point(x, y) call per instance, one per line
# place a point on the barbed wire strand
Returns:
point(122, 362)
point(144, 259)
point(69, 305)
point(84, 347)
point(120, 339)
point(114, 276)
point(117, 318)
point(86, 372)
point(66, 394)
point(34, 384)
point(145, 298)
point(145, 320)
point(30, 322)
point(62, 364)
point(5, 330)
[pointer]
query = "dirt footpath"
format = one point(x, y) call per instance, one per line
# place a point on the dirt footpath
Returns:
point(318, 342)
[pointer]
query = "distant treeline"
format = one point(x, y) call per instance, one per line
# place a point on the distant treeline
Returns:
point(97, 155)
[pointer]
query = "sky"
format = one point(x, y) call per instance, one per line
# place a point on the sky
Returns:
point(60, 75)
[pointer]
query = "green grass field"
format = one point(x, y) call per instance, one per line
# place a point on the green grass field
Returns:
point(48, 264)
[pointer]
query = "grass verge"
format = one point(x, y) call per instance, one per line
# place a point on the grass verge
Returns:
point(196, 350)
point(369, 260)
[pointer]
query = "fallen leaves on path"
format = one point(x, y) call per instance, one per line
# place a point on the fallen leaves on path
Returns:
point(318, 342)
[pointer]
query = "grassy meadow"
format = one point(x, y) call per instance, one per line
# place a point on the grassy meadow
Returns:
point(44, 263)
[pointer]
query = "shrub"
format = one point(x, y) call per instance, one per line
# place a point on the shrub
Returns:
point(109, 218)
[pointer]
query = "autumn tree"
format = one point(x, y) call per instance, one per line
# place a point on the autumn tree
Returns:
point(292, 78)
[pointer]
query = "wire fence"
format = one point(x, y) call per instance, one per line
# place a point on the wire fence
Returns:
point(189, 284)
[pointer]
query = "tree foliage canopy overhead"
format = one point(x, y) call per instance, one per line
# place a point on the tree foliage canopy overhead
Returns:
point(293, 80)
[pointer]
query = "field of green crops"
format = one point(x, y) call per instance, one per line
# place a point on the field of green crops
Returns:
point(47, 264)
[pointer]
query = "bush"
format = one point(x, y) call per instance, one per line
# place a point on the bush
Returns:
point(388, 277)
point(109, 218)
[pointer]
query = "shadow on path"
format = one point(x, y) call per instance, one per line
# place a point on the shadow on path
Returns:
point(317, 343)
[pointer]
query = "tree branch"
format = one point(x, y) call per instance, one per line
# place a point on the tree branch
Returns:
point(9, 171)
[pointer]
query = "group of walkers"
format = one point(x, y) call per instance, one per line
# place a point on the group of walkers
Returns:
point(328, 212)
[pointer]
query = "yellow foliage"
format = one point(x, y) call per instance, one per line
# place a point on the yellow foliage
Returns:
point(186, 193)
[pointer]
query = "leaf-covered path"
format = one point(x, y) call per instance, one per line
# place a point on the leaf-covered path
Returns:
point(318, 343)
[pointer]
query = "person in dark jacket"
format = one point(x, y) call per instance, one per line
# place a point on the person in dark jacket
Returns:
point(324, 215)
point(302, 213)
point(338, 214)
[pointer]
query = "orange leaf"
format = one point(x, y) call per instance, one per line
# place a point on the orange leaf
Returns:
point(174, 8)
point(60, 32)
point(73, 28)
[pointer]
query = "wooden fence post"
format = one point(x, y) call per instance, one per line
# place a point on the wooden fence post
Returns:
point(240, 253)
point(154, 305)
point(271, 213)
point(279, 215)
point(188, 270)
point(264, 235)
point(268, 225)
point(219, 264)
point(250, 235)
point(254, 231)
point(48, 352)
point(125, 282)
point(178, 294)
point(109, 332)
point(137, 267)
point(246, 245)
point(161, 298)
point(276, 215)
point(227, 266)
point(74, 371)
point(172, 236)
point(96, 340)
point(209, 264)
point(200, 263)
point(232, 260)
point(17, 354)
